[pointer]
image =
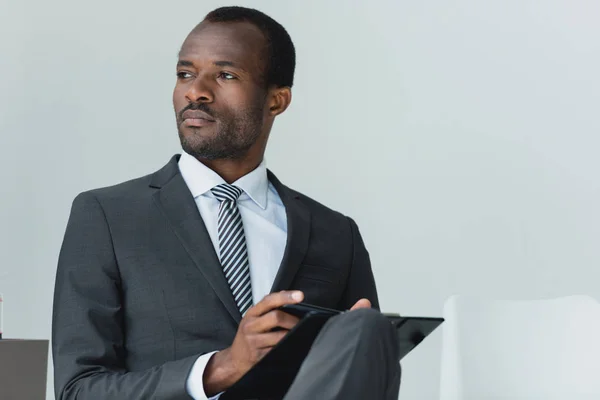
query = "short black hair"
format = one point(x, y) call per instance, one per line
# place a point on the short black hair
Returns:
point(281, 61)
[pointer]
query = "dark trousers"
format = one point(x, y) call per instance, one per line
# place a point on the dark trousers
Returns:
point(355, 356)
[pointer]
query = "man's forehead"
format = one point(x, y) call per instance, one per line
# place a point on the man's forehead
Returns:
point(234, 39)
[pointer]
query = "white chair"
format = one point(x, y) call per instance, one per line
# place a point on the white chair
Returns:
point(525, 350)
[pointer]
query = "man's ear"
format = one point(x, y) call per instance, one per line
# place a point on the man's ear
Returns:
point(279, 100)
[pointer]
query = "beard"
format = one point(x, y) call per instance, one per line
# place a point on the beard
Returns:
point(234, 134)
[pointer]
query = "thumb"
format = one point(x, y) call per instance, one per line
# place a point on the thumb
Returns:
point(362, 303)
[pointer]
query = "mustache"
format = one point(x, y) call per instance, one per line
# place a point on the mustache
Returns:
point(196, 107)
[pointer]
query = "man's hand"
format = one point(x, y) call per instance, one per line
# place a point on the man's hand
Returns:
point(255, 338)
point(362, 303)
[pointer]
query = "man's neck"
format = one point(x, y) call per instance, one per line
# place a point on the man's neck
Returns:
point(231, 170)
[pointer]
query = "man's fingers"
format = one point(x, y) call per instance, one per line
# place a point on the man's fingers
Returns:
point(271, 320)
point(362, 303)
point(275, 300)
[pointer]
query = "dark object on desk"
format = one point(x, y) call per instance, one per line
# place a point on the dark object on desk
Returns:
point(411, 331)
point(23, 369)
point(272, 376)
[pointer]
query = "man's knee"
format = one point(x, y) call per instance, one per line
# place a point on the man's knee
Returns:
point(369, 314)
point(366, 322)
point(367, 317)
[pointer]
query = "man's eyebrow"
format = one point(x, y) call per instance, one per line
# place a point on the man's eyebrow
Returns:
point(221, 63)
point(185, 63)
point(224, 63)
point(231, 64)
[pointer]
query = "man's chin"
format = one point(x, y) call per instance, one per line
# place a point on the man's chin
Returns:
point(193, 131)
point(202, 150)
point(206, 144)
point(211, 153)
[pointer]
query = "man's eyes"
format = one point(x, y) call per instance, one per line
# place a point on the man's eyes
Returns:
point(183, 75)
point(227, 76)
point(222, 75)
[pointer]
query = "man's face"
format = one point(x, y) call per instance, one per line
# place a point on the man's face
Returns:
point(220, 95)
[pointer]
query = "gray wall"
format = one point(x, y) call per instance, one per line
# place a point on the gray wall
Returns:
point(462, 136)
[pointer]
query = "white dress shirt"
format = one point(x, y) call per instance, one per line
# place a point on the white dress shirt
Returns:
point(265, 228)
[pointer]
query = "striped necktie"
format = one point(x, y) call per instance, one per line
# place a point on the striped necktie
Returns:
point(232, 245)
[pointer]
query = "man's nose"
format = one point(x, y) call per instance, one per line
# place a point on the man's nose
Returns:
point(200, 91)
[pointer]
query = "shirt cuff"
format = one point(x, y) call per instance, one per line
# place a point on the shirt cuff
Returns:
point(195, 383)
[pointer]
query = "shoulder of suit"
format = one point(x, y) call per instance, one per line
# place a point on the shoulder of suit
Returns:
point(129, 191)
point(131, 188)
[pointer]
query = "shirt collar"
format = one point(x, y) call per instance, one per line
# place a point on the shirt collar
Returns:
point(200, 179)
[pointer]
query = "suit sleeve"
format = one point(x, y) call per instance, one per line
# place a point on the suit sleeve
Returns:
point(87, 324)
point(360, 283)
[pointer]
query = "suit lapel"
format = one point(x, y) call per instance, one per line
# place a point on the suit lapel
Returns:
point(177, 204)
point(298, 234)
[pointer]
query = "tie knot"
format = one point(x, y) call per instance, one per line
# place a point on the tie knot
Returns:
point(226, 192)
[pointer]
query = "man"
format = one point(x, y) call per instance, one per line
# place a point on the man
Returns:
point(163, 282)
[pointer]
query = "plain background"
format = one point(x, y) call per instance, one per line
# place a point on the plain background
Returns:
point(463, 136)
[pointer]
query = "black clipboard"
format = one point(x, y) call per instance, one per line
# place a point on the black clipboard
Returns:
point(272, 376)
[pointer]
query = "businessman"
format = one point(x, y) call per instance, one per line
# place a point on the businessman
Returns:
point(169, 286)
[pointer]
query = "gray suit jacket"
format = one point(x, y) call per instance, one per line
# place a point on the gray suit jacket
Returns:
point(140, 293)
